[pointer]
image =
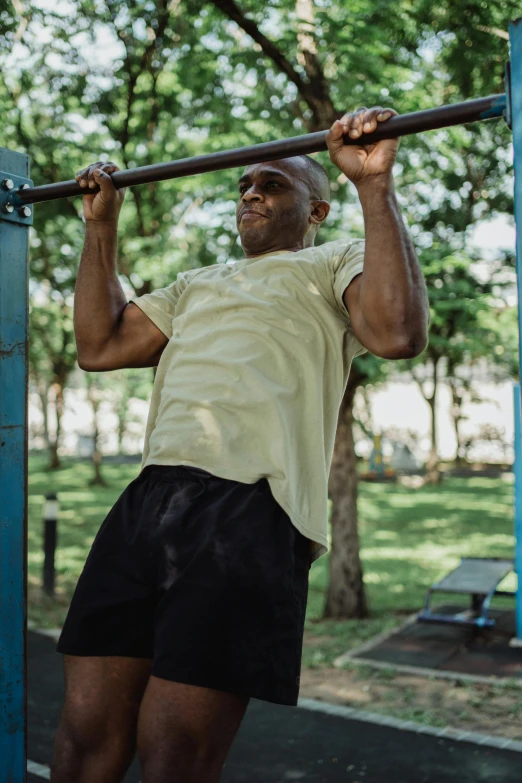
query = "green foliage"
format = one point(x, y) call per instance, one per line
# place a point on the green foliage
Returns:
point(457, 299)
point(501, 339)
point(52, 350)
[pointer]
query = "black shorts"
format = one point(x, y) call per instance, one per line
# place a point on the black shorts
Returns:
point(206, 576)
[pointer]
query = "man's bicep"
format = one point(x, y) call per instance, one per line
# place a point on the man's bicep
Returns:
point(352, 302)
point(137, 342)
point(351, 299)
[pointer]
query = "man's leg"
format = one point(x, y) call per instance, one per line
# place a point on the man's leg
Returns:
point(185, 731)
point(96, 739)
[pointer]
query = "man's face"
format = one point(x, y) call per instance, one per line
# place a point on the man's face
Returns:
point(274, 207)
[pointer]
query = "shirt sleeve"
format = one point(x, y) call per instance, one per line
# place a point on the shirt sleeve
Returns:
point(160, 305)
point(345, 261)
point(347, 264)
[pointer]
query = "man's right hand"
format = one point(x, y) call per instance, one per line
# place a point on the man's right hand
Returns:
point(102, 207)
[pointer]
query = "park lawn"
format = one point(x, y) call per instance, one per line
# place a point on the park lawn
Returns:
point(409, 539)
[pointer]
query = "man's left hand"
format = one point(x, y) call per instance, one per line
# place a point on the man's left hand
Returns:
point(364, 162)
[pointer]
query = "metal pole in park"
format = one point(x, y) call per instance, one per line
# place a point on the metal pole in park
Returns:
point(515, 37)
point(14, 257)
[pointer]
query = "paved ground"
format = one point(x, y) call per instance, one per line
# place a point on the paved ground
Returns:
point(279, 744)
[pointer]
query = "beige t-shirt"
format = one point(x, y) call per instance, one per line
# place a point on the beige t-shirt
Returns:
point(251, 380)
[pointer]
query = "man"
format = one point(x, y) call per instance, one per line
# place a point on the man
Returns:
point(193, 597)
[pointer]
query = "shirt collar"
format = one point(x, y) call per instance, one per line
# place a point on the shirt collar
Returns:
point(253, 259)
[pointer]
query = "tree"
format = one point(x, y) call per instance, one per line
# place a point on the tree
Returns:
point(493, 353)
point(95, 385)
point(457, 299)
point(125, 385)
point(52, 358)
point(346, 594)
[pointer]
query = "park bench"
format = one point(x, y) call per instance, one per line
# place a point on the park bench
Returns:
point(477, 576)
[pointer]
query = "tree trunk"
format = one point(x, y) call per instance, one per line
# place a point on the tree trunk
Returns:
point(456, 415)
point(122, 413)
point(97, 479)
point(346, 597)
point(54, 459)
point(42, 389)
point(122, 427)
point(433, 475)
point(459, 457)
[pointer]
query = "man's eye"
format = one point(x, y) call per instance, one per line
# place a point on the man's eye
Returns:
point(272, 182)
point(243, 188)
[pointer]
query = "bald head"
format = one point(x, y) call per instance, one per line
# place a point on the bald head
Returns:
point(318, 178)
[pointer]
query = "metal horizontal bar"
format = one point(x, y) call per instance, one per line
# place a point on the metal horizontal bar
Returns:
point(403, 125)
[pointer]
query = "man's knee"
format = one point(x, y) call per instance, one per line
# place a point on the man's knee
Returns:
point(184, 757)
point(185, 731)
point(97, 732)
point(86, 746)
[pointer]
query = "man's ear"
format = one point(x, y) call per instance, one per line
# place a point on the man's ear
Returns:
point(320, 210)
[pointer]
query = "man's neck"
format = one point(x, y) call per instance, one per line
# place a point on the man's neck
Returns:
point(275, 249)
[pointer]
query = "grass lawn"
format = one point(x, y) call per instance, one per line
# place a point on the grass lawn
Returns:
point(409, 538)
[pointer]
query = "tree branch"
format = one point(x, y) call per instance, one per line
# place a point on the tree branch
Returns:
point(493, 31)
point(314, 92)
point(23, 20)
point(308, 58)
point(420, 384)
point(232, 10)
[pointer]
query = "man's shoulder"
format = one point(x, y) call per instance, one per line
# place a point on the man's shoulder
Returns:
point(188, 275)
point(334, 251)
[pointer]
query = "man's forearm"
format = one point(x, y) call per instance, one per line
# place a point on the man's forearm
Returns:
point(99, 299)
point(393, 298)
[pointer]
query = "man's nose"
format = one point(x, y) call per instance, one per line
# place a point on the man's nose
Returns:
point(252, 194)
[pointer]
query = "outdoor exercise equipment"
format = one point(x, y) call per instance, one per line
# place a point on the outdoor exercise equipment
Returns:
point(475, 576)
point(16, 195)
point(492, 107)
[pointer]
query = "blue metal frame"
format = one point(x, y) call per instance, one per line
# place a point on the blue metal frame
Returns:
point(518, 506)
point(515, 99)
point(14, 257)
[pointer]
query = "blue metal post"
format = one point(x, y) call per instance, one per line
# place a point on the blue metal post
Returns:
point(14, 247)
point(518, 503)
point(515, 36)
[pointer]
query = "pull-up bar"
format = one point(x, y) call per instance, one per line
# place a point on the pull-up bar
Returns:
point(402, 125)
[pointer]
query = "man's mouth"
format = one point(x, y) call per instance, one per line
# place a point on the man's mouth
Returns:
point(250, 214)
